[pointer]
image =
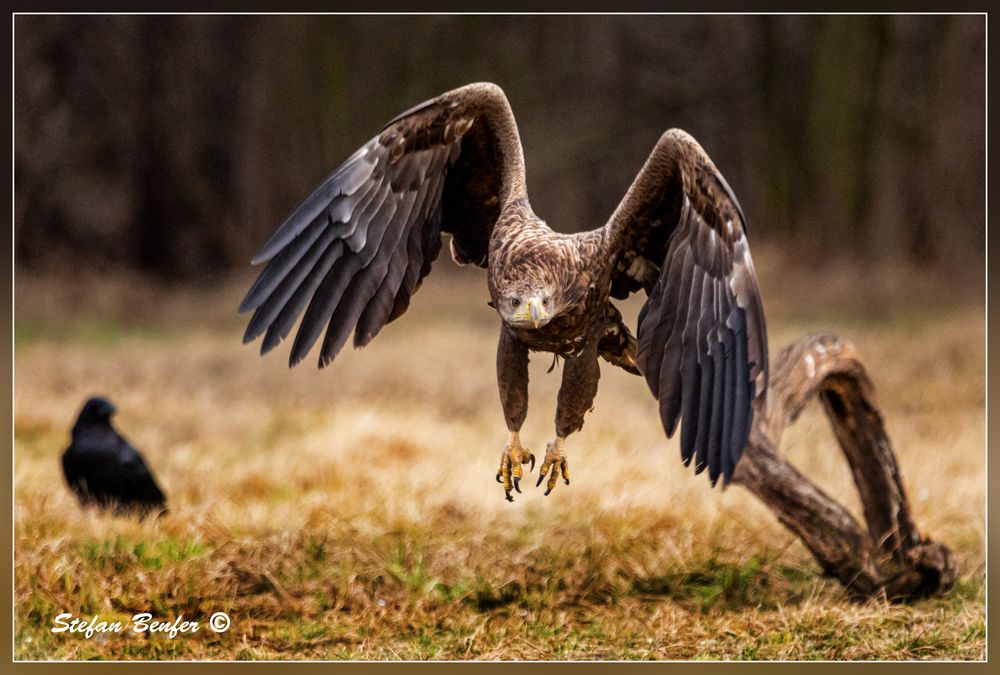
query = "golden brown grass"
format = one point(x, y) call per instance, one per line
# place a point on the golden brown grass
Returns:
point(352, 512)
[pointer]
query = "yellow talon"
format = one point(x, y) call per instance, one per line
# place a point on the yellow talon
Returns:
point(511, 459)
point(553, 464)
point(551, 483)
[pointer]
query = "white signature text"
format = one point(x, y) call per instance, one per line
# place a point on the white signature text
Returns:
point(144, 622)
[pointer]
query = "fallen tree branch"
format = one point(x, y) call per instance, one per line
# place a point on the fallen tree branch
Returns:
point(887, 558)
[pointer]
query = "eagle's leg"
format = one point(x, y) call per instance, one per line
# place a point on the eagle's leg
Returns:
point(576, 399)
point(512, 376)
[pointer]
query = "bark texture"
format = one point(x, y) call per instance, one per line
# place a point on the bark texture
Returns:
point(888, 557)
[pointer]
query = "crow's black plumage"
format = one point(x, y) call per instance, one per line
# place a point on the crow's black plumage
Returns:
point(103, 469)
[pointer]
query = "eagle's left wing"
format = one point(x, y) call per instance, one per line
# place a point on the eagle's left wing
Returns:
point(680, 235)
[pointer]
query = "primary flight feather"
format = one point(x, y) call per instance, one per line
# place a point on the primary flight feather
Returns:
point(350, 257)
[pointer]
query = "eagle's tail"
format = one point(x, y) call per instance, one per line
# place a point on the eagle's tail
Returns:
point(618, 346)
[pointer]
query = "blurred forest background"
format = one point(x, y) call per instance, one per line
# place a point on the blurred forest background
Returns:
point(176, 144)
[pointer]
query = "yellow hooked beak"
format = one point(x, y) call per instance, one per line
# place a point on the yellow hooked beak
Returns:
point(533, 310)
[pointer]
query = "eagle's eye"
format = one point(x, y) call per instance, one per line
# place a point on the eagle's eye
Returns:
point(545, 302)
point(515, 303)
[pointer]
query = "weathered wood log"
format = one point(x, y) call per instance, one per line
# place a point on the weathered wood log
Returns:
point(890, 558)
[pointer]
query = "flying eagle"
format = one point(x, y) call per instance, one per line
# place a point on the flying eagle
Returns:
point(356, 250)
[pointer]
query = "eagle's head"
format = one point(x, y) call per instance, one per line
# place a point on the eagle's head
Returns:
point(534, 276)
point(526, 309)
point(528, 300)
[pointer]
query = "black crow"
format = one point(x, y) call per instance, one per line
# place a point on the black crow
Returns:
point(103, 469)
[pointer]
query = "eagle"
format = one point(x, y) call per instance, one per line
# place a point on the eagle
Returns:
point(352, 255)
point(104, 469)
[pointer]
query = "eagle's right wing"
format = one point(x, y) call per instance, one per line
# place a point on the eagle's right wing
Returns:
point(358, 247)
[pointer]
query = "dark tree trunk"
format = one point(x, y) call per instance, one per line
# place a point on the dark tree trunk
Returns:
point(890, 558)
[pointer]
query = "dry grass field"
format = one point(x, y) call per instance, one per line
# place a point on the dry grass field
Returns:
point(352, 513)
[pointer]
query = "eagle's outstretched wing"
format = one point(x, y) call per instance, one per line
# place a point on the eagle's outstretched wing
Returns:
point(680, 235)
point(358, 247)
